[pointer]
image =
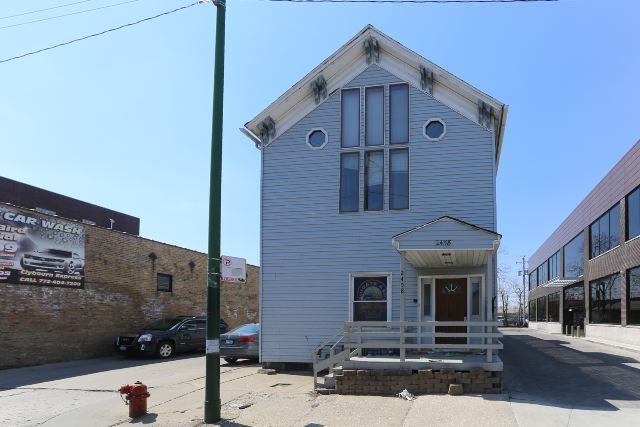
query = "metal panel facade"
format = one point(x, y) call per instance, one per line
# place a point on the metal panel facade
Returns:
point(622, 179)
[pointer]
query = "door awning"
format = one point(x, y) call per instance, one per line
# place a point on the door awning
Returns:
point(447, 242)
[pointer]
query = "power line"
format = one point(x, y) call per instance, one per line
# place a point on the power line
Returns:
point(410, 1)
point(69, 14)
point(101, 33)
point(43, 10)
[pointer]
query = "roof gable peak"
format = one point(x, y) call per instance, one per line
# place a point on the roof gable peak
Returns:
point(372, 46)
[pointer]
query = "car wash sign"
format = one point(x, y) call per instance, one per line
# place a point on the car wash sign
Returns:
point(40, 250)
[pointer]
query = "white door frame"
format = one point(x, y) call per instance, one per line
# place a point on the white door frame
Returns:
point(433, 278)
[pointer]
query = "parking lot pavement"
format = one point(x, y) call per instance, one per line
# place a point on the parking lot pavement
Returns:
point(555, 380)
point(551, 380)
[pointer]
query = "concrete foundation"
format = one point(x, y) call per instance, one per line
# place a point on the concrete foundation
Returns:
point(549, 327)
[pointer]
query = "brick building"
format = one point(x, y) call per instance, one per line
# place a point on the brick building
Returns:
point(120, 282)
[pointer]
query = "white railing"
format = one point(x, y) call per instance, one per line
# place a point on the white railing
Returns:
point(356, 336)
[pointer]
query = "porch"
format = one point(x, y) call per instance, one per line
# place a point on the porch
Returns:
point(409, 346)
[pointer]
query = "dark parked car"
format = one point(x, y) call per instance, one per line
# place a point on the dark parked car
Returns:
point(241, 343)
point(166, 337)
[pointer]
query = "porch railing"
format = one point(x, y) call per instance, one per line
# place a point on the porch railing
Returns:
point(405, 337)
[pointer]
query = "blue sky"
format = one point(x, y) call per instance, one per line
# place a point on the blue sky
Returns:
point(124, 120)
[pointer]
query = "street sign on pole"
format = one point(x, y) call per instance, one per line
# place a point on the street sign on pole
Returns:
point(234, 270)
point(212, 360)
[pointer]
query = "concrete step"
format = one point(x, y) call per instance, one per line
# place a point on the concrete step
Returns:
point(330, 381)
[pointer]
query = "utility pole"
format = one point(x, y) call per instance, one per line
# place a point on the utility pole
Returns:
point(212, 382)
point(524, 271)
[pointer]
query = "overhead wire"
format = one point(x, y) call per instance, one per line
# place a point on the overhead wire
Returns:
point(101, 32)
point(210, 1)
point(44, 10)
point(68, 14)
point(409, 1)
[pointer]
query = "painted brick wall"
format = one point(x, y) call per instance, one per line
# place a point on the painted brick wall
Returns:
point(50, 324)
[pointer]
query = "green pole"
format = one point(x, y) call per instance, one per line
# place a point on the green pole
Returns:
point(212, 382)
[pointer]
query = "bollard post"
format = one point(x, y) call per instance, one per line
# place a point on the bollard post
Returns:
point(566, 330)
point(572, 331)
point(578, 332)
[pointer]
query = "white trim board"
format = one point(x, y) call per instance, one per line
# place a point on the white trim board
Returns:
point(350, 60)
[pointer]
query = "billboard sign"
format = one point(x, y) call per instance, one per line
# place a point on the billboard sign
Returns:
point(234, 270)
point(40, 250)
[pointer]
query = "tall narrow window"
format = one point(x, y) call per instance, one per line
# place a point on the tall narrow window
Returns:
point(541, 309)
point(374, 180)
point(350, 118)
point(399, 114)
point(554, 307)
point(374, 116)
point(475, 298)
point(349, 181)
point(604, 300)
point(633, 214)
point(633, 295)
point(399, 179)
point(426, 303)
point(574, 257)
point(605, 232)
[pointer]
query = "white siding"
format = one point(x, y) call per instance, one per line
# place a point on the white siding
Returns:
point(309, 248)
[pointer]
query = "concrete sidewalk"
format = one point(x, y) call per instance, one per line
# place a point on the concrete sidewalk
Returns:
point(83, 393)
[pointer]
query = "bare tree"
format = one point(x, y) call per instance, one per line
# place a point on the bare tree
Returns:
point(504, 298)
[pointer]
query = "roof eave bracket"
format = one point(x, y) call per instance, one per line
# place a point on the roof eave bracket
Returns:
point(372, 50)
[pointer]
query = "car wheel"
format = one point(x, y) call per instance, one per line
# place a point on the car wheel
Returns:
point(231, 360)
point(165, 350)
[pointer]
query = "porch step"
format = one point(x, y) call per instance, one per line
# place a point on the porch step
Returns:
point(330, 381)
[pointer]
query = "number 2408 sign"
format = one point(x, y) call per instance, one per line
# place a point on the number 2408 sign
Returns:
point(443, 242)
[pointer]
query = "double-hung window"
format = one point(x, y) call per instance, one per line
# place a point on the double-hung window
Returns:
point(633, 214)
point(383, 165)
point(370, 298)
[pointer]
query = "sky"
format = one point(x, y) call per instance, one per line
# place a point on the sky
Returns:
point(124, 120)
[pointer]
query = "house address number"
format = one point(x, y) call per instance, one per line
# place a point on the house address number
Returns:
point(443, 242)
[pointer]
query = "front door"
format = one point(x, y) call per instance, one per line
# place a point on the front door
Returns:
point(451, 306)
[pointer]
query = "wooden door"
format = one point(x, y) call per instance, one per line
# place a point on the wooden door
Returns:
point(451, 306)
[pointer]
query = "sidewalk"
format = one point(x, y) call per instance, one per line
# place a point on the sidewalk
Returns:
point(83, 393)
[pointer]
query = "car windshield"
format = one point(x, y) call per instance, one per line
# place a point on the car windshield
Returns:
point(163, 325)
point(56, 252)
point(249, 329)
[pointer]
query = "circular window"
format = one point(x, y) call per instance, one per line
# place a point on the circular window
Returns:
point(317, 138)
point(435, 129)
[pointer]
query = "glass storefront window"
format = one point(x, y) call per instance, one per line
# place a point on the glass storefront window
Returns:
point(604, 300)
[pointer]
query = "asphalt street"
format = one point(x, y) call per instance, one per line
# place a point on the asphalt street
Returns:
point(558, 380)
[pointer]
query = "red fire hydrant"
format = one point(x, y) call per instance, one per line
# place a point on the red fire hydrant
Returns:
point(136, 398)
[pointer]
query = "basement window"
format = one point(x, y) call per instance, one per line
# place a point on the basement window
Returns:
point(165, 282)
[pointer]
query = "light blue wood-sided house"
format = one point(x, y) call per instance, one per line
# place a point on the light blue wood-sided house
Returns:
point(378, 210)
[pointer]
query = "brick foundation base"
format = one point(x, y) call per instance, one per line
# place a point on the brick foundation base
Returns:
point(424, 381)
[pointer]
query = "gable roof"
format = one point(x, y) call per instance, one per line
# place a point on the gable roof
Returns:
point(351, 60)
point(458, 235)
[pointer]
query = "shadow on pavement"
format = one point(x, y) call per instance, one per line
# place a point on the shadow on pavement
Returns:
point(20, 377)
point(149, 418)
point(551, 374)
